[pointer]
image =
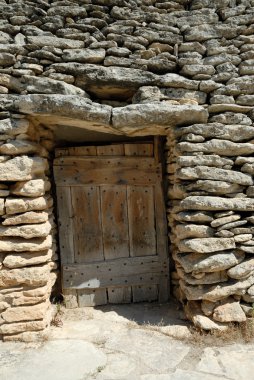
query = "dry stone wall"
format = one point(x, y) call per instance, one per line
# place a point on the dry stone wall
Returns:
point(179, 68)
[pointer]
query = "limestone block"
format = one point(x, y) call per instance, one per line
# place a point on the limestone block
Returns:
point(192, 70)
point(194, 313)
point(230, 132)
point(248, 167)
point(183, 231)
point(84, 55)
point(229, 226)
point(22, 245)
point(231, 118)
point(14, 328)
point(18, 205)
point(4, 306)
point(26, 313)
point(177, 81)
point(27, 231)
point(151, 117)
point(206, 172)
point(43, 85)
point(27, 259)
point(62, 43)
point(214, 187)
point(217, 203)
point(32, 276)
point(206, 245)
point(215, 262)
point(16, 147)
point(22, 168)
point(220, 147)
point(215, 293)
point(229, 311)
point(242, 270)
point(204, 160)
point(194, 217)
point(205, 279)
point(32, 188)
point(29, 217)
point(224, 220)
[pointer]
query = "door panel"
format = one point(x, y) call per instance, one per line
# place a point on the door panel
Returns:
point(112, 224)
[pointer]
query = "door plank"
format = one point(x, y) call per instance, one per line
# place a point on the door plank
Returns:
point(143, 293)
point(119, 295)
point(110, 150)
point(141, 220)
point(139, 149)
point(114, 222)
point(76, 151)
point(65, 223)
point(87, 224)
point(88, 236)
point(142, 231)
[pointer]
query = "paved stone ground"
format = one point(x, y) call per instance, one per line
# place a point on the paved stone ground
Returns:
point(128, 342)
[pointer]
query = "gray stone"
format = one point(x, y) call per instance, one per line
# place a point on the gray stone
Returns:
point(242, 270)
point(213, 262)
point(194, 217)
point(221, 131)
point(206, 172)
point(206, 160)
point(231, 118)
point(16, 147)
point(227, 219)
point(177, 81)
point(182, 231)
point(220, 147)
point(216, 203)
point(62, 43)
point(13, 126)
point(84, 55)
point(42, 85)
point(228, 226)
point(206, 245)
point(214, 187)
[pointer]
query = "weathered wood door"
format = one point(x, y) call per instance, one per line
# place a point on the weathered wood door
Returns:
point(112, 224)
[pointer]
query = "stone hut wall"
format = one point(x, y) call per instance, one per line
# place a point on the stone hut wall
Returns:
point(180, 68)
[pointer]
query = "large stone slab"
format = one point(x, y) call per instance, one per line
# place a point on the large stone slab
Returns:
point(141, 119)
point(217, 203)
point(27, 258)
point(25, 313)
point(242, 270)
point(28, 217)
point(62, 43)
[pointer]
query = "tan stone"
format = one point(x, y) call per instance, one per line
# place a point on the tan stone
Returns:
point(27, 231)
point(22, 168)
point(18, 205)
point(229, 311)
point(194, 313)
point(27, 259)
point(14, 328)
point(206, 245)
point(32, 188)
point(22, 245)
point(29, 217)
point(26, 313)
point(4, 305)
point(35, 276)
point(2, 209)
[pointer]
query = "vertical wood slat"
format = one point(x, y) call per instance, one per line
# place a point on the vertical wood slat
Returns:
point(142, 234)
point(138, 149)
point(115, 233)
point(114, 222)
point(65, 223)
point(88, 237)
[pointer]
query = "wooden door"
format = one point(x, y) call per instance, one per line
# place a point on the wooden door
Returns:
point(112, 224)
